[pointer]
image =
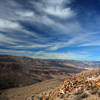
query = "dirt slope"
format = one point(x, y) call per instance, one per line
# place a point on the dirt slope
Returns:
point(28, 91)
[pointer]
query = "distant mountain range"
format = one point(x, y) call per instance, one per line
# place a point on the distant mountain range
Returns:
point(17, 71)
point(24, 61)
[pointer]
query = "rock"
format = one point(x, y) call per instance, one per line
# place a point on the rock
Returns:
point(98, 83)
point(35, 98)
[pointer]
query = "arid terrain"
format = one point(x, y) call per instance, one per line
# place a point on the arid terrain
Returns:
point(23, 71)
point(23, 78)
point(82, 86)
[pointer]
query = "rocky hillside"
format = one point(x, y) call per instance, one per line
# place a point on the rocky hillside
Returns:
point(82, 86)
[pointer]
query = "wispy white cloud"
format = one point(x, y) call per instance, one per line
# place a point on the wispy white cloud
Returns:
point(43, 8)
point(14, 51)
point(92, 40)
point(25, 13)
point(58, 2)
point(31, 46)
point(60, 12)
point(92, 43)
point(56, 8)
point(6, 24)
point(7, 39)
point(75, 41)
point(83, 39)
point(53, 55)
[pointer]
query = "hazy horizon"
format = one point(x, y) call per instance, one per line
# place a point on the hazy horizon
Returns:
point(50, 58)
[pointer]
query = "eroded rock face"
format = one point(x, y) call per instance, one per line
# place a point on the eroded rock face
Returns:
point(76, 86)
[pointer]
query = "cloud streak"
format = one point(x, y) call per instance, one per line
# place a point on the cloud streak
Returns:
point(67, 55)
point(6, 24)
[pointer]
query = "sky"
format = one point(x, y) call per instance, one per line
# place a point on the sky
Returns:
point(50, 29)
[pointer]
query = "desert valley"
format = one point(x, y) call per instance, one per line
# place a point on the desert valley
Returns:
point(23, 78)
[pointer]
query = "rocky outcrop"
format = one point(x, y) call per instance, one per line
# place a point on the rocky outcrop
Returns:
point(83, 82)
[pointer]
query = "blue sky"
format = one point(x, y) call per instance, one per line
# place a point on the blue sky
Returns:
point(50, 29)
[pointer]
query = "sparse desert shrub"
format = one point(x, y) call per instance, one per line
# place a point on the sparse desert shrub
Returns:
point(98, 94)
point(81, 96)
point(78, 92)
point(93, 90)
